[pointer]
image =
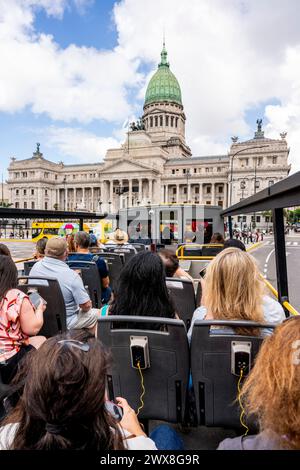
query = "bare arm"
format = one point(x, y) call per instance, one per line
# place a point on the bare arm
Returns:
point(31, 320)
point(105, 282)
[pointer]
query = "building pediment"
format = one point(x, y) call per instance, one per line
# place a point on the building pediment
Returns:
point(126, 165)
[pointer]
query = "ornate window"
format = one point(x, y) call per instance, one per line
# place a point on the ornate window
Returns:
point(160, 121)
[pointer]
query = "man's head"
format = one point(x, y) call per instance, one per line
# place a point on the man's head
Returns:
point(82, 241)
point(57, 248)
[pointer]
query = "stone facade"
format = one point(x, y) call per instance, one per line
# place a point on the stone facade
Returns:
point(154, 165)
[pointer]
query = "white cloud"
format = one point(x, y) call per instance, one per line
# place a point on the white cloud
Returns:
point(77, 145)
point(75, 83)
point(229, 56)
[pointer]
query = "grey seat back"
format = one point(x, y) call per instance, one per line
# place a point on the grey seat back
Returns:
point(115, 263)
point(165, 381)
point(214, 384)
point(90, 278)
point(127, 252)
point(55, 314)
point(212, 250)
point(182, 294)
point(139, 246)
point(27, 266)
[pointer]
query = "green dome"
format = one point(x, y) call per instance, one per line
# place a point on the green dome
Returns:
point(163, 86)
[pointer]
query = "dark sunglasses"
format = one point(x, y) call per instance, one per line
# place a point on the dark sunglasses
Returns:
point(75, 344)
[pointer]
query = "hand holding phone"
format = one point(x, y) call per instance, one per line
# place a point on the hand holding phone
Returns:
point(129, 420)
point(115, 410)
point(36, 300)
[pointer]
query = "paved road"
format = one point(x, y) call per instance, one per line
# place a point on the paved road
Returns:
point(265, 256)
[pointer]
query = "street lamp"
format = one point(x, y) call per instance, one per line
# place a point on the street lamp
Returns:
point(231, 164)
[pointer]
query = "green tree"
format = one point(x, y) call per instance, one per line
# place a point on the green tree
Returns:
point(5, 204)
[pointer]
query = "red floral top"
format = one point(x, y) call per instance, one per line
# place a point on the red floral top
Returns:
point(11, 335)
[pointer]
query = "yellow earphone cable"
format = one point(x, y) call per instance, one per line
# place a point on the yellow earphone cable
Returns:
point(241, 404)
point(143, 389)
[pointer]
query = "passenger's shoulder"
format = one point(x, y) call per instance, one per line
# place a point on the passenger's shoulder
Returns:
point(7, 434)
point(272, 309)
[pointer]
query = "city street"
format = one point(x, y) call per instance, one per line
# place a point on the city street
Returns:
point(265, 256)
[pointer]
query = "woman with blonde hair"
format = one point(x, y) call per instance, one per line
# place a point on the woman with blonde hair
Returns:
point(234, 290)
point(271, 393)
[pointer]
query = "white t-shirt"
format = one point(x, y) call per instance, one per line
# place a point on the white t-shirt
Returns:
point(7, 434)
point(272, 310)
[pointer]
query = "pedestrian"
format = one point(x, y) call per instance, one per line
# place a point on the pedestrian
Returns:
point(27, 233)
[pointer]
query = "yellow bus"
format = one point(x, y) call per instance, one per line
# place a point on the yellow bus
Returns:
point(42, 229)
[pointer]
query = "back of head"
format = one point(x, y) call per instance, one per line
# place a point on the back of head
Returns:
point(217, 238)
point(56, 248)
point(234, 243)
point(142, 289)
point(82, 240)
point(170, 261)
point(233, 288)
point(271, 391)
point(93, 240)
point(4, 250)
point(8, 275)
point(62, 406)
point(41, 246)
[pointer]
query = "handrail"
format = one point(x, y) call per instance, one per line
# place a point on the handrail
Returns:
point(23, 260)
point(285, 304)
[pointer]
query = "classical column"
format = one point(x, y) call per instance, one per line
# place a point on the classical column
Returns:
point(150, 182)
point(200, 193)
point(74, 199)
point(177, 193)
point(188, 193)
point(213, 194)
point(92, 193)
point(225, 189)
point(130, 193)
point(66, 199)
point(111, 192)
point(140, 190)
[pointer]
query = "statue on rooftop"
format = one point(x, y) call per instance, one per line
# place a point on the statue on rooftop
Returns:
point(259, 124)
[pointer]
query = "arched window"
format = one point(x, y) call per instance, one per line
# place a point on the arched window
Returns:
point(156, 121)
point(167, 120)
point(172, 121)
point(151, 121)
point(160, 121)
point(176, 122)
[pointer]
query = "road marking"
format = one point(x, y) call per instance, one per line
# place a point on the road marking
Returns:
point(269, 256)
point(295, 243)
point(289, 243)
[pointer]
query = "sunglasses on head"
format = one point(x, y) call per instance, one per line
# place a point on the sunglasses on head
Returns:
point(75, 344)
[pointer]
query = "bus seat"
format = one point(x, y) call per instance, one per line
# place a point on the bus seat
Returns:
point(90, 277)
point(126, 251)
point(215, 386)
point(182, 294)
point(211, 250)
point(166, 379)
point(115, 263)
point(28, 265)
point(139, 246)
point(55, 314)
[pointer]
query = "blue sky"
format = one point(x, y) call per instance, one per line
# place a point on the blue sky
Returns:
point(74, 70)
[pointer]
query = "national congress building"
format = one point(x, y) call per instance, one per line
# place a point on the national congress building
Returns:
point(154, 165)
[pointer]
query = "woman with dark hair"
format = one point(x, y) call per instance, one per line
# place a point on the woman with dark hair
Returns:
point(64, 403)
point(18, 321)
point(4, 250)
point(142, 289)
